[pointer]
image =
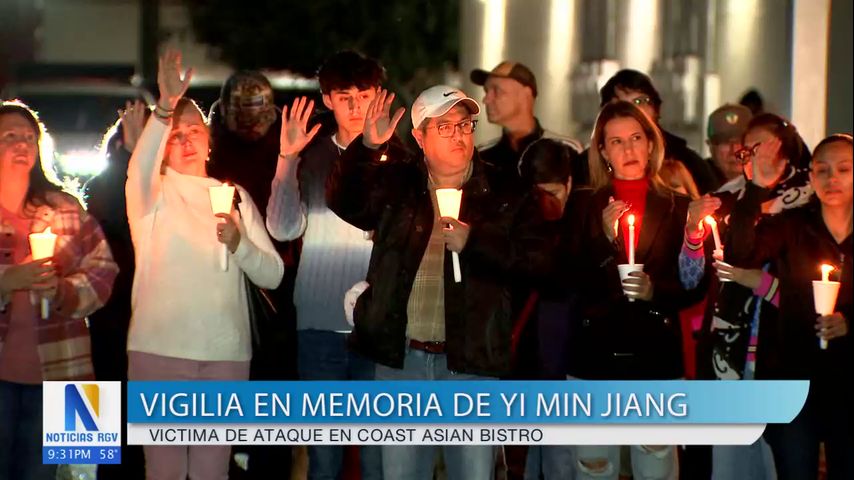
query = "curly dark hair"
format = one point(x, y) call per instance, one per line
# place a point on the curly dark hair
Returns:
point(41, 182)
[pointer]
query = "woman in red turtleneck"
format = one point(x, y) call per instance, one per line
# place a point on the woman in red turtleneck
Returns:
point(615, 338)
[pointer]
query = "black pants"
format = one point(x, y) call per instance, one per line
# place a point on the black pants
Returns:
point(826, 416)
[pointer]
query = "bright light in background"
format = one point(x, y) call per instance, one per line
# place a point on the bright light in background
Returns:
point(561, 19)
point(82, 163)
point(639, 49)
point(492, 41)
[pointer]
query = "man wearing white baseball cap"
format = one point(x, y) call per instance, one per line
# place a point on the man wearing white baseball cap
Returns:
point(415, 321)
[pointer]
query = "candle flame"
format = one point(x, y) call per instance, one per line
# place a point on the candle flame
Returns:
point(48, 232)
point(631, 220)
point(711, 220)
point(825, 272)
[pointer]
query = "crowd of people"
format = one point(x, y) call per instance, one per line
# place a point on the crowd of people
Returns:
point(632, 259)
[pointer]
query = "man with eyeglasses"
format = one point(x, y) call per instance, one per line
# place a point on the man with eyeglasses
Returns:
point(414, 320)
point(727, 126)
point(510, 93)
point(634, 86)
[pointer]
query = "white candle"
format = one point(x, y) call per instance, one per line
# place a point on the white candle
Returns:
point(825, 293)
point(222, 199)
point(449, 200)
point(42, 246)
point(631, 221)
point(714, 224)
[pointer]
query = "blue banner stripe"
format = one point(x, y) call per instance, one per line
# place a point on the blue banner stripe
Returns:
point(492, 402)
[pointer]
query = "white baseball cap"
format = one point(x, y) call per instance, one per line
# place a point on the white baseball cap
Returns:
point(437, 101)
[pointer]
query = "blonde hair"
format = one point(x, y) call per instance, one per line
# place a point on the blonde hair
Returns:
point(600, 177)
point(674, 170)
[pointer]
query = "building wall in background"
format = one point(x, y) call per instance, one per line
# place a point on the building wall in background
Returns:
point(840, 68)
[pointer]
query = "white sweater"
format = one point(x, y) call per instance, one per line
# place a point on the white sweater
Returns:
point(183, 304)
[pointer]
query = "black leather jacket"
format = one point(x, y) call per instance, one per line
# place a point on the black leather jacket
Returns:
point(507, 241)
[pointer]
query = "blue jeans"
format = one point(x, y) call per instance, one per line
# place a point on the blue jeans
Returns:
point(747, 462)
point(21, 433)
point(323, 355)
point(550, 462)
point(416, 462)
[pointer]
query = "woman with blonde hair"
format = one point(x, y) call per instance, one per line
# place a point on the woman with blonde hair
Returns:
point(190, 317)
point(629, 329)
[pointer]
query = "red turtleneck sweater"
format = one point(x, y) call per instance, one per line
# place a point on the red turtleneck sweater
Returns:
point(633, 192)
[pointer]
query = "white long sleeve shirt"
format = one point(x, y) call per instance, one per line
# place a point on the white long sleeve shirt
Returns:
point(183, 304)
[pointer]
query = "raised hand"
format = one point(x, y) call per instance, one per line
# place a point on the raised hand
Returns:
point(766, 169)
point(170, 80)
point(379, 124)
point(698, 210)
point(294, 136)
point(133, 121)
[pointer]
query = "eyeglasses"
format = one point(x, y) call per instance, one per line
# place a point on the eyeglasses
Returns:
point(446, 130)
point(746, 153)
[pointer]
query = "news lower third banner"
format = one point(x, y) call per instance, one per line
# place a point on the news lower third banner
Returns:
point(458, 412)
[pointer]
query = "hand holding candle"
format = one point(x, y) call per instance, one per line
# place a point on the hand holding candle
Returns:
point(222, 199)
point(42, 246)
point(449, 200)
point(825, 293)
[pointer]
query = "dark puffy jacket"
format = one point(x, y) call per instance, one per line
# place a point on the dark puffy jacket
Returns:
point(797, 242)
point(615, 338)
point(507, 241)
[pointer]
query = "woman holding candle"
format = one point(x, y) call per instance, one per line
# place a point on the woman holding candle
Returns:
point(76, 279)
point(797, 242)
point(190, 318)
point(616, 338)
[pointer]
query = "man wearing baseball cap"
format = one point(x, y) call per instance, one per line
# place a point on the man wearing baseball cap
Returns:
point(511, 90)
point(727, 126)
point(415, 321)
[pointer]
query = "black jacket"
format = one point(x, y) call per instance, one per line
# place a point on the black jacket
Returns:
point(252, 165)
point(506, 241)
point(615, 338)
point(797, 242)
point(108, 326)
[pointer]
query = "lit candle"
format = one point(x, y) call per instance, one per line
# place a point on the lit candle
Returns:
point(222, 198)
point(42, 246)
point(449, 200)
point(825, 272)
point(714, 224)
point(825, 293)
point(631, 221)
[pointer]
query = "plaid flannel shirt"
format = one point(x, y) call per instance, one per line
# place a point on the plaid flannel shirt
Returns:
point(86, 271)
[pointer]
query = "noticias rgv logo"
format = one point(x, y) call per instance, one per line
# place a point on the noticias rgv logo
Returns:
point(76, 408)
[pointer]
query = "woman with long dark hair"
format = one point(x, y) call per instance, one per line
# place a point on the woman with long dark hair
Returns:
point(76, 281)
point(796, 243)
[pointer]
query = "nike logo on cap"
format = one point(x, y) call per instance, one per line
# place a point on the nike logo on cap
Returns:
point(448, 94)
